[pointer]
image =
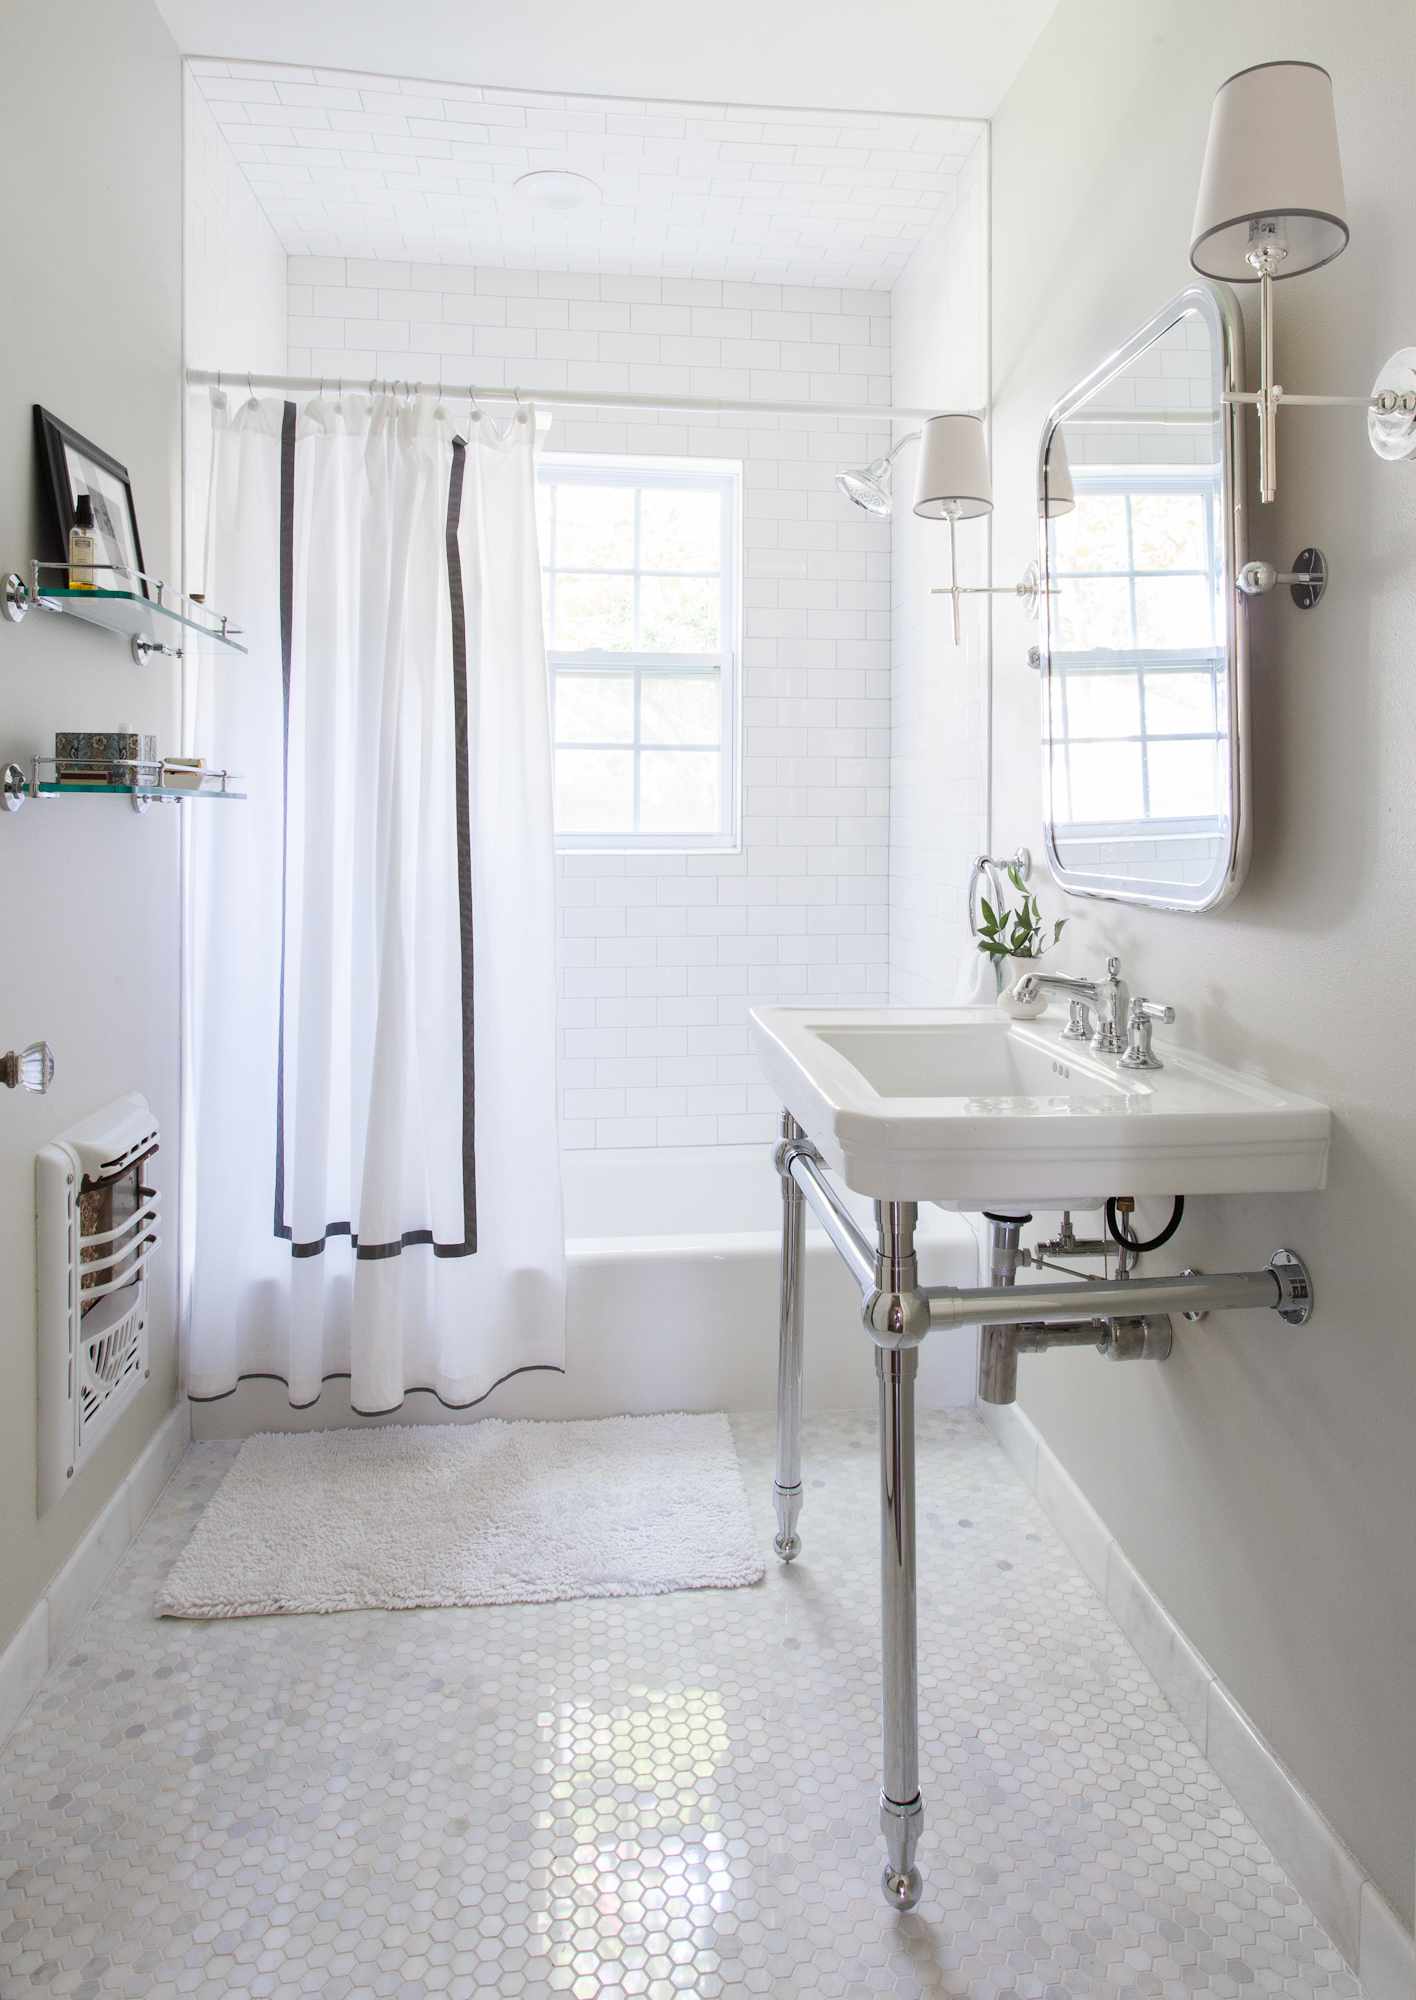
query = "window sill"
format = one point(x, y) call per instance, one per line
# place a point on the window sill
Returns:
point(667, 844)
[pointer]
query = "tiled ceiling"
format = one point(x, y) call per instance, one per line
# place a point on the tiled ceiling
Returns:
point(367, 166)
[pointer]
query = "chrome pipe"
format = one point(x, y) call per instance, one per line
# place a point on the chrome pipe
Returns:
point(997, 1345)
point(830, 1211)
point(997, 1365)
point(596, 399)
point(1035, 1336)
point(786, 1486)
point(1148, 1338)
point(1106, 1298)
point(1005, 1234)
point(901, 1808)
point(896, 1265)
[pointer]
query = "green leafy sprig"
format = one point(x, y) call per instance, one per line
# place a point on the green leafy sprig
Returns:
point(1016, 933)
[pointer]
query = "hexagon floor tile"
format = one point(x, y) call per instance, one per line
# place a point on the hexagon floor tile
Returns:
point(668, 1797)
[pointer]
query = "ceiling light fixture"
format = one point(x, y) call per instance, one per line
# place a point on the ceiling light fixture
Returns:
point(557, 189)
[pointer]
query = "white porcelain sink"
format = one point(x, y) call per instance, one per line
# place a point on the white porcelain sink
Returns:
point(961, 1106)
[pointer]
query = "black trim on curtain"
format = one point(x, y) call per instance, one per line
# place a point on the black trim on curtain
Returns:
point(343, 1375)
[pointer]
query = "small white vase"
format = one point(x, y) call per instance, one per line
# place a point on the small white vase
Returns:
point(1015, 969)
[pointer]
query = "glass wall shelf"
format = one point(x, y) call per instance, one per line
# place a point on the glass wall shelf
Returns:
point(148, 613)
point(145, 788)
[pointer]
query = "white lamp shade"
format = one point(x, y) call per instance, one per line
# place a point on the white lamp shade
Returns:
point(1272, 157)
point(952, 476)
point(1057, 496)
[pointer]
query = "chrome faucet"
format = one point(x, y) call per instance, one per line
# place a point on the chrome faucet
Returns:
point(1108, 996)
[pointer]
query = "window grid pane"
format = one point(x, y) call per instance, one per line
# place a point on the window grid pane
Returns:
point(1179, 659)
point(634, 746)
point(670, 628)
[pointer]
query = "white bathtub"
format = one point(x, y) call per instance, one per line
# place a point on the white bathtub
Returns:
point(672, 1303)
point(673, 1289)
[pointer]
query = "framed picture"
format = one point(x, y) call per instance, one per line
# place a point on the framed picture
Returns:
point(73, 466)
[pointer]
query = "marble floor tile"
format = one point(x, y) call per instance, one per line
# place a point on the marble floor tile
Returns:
point(664, 1797)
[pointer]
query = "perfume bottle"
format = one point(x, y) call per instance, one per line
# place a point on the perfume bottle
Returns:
point(83, 545)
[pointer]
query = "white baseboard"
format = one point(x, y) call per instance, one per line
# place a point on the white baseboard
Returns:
point(46, 1634)
point(1350, 1908)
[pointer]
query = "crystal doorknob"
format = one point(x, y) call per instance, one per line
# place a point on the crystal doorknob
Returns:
point(29, 1069)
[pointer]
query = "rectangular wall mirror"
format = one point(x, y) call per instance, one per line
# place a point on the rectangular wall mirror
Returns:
point(1145, 679)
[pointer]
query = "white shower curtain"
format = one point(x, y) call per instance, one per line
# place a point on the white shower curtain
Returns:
point(376, 1189)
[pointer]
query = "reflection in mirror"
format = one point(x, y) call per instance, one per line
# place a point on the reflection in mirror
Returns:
point(1143, 686)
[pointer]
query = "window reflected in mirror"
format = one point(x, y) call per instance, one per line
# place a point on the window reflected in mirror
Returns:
point(1138, 714)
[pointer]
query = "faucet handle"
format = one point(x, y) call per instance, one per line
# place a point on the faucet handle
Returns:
point(1113, 968)
point(1079, 1022)
point(1143, 1013)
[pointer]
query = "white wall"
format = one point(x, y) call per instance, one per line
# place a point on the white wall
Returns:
point(1264, 1480)
point(938, 692)
point(90, 107)
point(662, 955)
point(234, 304)
point(233, 262)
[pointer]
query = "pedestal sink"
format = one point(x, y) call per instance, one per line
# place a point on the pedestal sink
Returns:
point(963, 1107)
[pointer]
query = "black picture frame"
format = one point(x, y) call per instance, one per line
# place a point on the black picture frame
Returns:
point(70, 464)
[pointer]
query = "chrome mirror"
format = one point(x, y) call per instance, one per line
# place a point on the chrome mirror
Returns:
point(1144, 653)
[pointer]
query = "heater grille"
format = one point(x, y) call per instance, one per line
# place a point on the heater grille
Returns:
point(107, 1362)
point(97, 1223)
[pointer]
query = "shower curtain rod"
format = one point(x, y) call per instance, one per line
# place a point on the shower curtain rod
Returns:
point(561, 398)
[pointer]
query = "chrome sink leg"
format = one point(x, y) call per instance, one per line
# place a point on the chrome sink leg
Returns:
point(901, 1809)
point(786, 1489)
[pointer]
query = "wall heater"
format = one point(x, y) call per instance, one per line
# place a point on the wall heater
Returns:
point(96, 1213)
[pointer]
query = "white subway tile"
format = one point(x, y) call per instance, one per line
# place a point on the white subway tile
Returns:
point(661, 954)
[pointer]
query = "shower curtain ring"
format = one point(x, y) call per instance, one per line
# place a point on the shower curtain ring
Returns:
point(520, 406)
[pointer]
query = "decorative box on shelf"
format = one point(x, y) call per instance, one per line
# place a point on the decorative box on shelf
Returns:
point(140, 780)
point(100, 756)
point(152, 616)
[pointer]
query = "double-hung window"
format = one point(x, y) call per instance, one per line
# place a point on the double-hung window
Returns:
point(1139, 698)
point(640, 563)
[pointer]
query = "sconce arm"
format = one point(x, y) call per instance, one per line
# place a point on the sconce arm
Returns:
point(1391, 406)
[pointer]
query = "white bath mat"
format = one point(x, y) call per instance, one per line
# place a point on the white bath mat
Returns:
point(485, 1513)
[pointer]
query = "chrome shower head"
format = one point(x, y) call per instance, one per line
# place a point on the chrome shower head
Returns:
point(868, 485)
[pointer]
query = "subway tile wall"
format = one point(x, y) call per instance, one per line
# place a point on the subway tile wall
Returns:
point(663, 954)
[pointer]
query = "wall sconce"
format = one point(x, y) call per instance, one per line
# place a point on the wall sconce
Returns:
point(953, 485)
point(1271, 206)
